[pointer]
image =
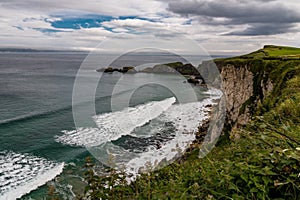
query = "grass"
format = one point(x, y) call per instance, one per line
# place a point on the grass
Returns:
point(271, 51)
point(281, 51)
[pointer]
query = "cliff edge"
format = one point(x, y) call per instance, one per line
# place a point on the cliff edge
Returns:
point(248, 80)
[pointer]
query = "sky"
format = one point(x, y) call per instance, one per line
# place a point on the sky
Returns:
point(220, 27)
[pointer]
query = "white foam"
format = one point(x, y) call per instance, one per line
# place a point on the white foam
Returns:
point(186, 118)
point(20, 174)
point(112, 126)
point(214, 93)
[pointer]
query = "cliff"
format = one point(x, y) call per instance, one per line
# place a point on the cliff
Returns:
point(249, 79)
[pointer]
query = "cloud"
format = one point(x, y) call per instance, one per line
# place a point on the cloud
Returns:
point(218, 25)
point(77, 8)
point(132, 23)
point(166, 28)
point(47, 30)
point(261, 16)
point(264, 29)
point(66, 24)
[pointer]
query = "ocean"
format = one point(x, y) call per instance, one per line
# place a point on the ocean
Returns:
point(140, 122)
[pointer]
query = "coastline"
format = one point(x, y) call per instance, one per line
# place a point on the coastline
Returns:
point(258, 156)
point(188, 140)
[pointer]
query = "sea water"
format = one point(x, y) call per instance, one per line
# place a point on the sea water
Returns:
point(39, 141)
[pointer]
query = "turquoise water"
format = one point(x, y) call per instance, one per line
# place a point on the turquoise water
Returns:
point(36, 106)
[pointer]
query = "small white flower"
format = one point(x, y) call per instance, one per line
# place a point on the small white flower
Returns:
point(284, 150)
point(298, 148)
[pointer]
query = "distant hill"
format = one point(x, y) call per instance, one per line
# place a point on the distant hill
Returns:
point(33, 50)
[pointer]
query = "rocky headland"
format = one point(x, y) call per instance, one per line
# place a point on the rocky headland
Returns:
point(258, 154)
point(188, 70)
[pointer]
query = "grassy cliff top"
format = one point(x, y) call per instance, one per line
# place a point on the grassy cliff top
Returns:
point(275, 51)
point(270, 52)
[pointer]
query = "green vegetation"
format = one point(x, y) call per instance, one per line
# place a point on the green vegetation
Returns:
point(276, 52)
point(282, 51)
point(175, 64)
point(184, 69)
point(269, 52)
point(258, 161)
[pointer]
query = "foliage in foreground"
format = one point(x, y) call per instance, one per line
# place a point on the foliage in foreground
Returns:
point(259, 161)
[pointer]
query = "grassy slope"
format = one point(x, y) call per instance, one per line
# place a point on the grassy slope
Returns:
point(258, 161)
point(270, 50)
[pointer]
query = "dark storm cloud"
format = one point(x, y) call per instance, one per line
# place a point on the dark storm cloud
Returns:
point(264, 29)
point(262, 17)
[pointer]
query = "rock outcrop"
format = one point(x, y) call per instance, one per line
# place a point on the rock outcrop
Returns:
point(189, 70)
point(122, 70)
point(159, 69)
point(238, 88)
point(244, 82)
point(176, 67)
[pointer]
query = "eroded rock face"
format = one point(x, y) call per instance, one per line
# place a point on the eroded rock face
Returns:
point(267, 87)
point(238, 88)
point(237, 83)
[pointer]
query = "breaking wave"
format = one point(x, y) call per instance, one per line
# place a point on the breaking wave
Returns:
point(22, 173)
